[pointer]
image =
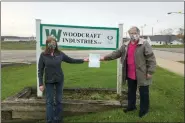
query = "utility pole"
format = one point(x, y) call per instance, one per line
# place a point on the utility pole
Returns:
point(142, 30)
point(175, 13)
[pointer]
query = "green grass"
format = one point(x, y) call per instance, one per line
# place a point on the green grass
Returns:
point(18, 45)
point(32, 46)
point(166, 92)
point(75, 76)
point(168, 46)
point(27, 46)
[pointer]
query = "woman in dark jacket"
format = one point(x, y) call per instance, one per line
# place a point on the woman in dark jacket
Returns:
point(50, 64)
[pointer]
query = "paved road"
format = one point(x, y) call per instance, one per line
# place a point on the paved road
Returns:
point(175, 50)
point(169, 55)
point(165, 59)
point(30, 55)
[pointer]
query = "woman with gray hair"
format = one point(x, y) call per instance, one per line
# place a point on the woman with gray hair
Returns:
point(138, 65)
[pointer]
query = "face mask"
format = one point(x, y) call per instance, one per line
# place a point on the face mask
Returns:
point(51, 46)
point(134, 37)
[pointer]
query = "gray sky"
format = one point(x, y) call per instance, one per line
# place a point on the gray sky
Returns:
point(19, 18)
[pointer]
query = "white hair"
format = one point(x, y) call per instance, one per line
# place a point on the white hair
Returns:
point(134, 27)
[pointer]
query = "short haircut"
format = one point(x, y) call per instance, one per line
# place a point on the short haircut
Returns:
point(137, 29)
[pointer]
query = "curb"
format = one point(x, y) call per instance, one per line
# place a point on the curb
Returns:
point(6, 64)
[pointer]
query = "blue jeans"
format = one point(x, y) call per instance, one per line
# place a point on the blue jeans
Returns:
point(54, 109)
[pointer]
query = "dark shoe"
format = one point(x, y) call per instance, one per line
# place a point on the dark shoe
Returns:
point(129, 109)
point(142, 113)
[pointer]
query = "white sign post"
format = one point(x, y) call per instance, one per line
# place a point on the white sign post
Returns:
point(119, 64)
point(98, 38)
point(38, 52)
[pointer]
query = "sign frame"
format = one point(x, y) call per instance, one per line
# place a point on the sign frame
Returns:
point(82, 27)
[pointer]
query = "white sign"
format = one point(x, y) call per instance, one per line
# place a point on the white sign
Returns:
point(81, 36)
point(94, 60)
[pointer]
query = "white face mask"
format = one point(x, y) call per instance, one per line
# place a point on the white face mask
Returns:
point(134, 37)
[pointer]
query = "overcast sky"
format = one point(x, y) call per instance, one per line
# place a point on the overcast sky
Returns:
point(19, 18)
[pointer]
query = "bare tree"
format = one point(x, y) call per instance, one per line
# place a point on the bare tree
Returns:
point(161, 32)
point(168, 32)
point(180, 34)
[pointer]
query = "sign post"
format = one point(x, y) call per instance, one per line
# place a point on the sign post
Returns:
point(97, 38)
point(38, 52)
point(119, 64)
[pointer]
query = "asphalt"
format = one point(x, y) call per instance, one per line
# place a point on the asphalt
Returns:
point(30, 55)
point(174, 50)
point(165, 59)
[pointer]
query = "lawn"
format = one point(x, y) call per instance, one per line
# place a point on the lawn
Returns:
point(27, 46)
point(18, 45)
point(167, 91)
point(32, 46)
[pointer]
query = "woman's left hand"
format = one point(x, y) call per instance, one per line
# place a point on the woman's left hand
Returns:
point(148, 76)
point(86, 59)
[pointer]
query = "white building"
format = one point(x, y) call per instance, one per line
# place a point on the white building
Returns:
point(163, 40)
point(176, 42)
point(16, 38)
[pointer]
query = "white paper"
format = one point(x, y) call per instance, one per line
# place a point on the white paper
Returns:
point(94, 60)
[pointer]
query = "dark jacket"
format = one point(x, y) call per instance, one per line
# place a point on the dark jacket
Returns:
point(51, 67)
point(144, 58)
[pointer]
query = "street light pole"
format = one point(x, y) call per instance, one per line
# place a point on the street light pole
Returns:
point(153, 27)
point(175, 13)
point(142, 28)
point(142, 31)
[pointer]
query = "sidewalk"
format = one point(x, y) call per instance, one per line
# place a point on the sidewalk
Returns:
point(172, 66)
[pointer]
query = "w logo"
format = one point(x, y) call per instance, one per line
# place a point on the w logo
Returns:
point(54, 33)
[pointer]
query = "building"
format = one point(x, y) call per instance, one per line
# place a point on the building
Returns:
point(17, 38)
point(163, 40)
point(176, 42)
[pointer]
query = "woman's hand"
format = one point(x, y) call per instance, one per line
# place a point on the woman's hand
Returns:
point(41, 88)
point(148, 76)
point(86, 59)
point(102, 58)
